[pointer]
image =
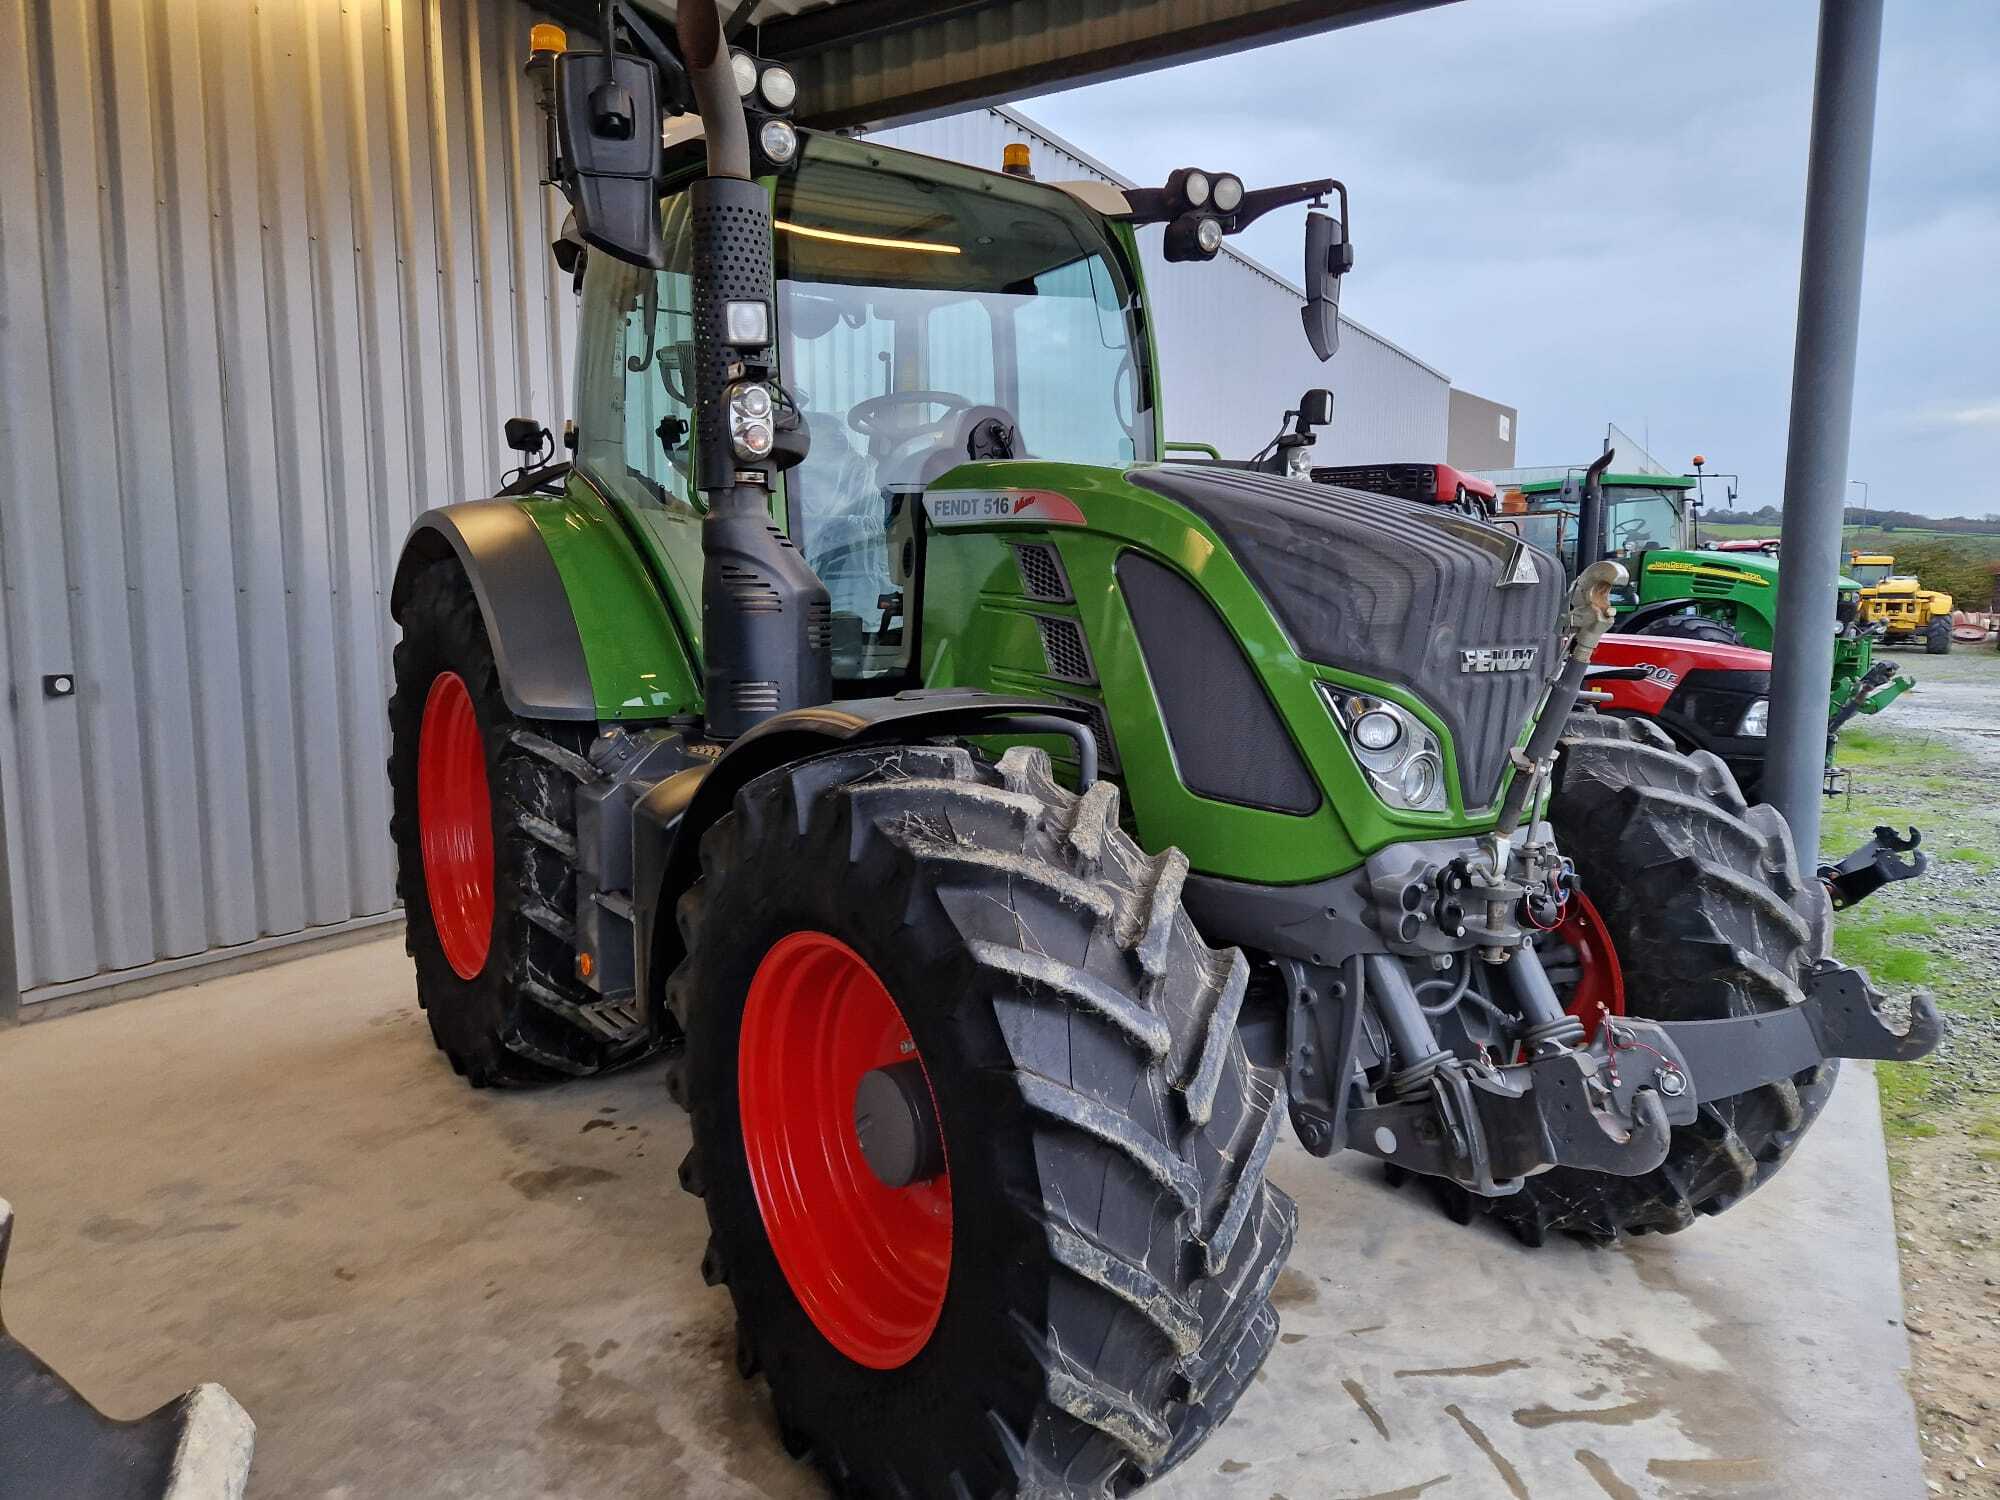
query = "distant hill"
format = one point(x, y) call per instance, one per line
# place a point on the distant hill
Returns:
point(1874, 517)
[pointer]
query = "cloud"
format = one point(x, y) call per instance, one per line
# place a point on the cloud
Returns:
point(1979, 414)
point(1594, 212)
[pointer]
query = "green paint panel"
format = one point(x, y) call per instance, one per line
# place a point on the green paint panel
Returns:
point(978, 631)
point(640, 668)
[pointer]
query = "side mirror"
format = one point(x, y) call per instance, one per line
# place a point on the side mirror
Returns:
point(1329, 256)
point(607, 117)
point(526, 435)
point(1315, 409)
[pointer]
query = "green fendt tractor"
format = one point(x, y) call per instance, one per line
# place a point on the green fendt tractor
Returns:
point(1005, 832)
point(1691, 593)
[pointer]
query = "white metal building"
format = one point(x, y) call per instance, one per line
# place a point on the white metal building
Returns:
point(272, 273)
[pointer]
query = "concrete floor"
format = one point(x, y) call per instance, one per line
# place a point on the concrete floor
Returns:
point(418, 1291)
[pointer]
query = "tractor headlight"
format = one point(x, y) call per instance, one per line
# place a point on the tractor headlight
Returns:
point(743, 68)
point(1228, 193)
point(779, 140)
point(1756, 720)
point(1194, 188)
point(1396, 751)
point(1377, 730)
point(751, 433)
point(1208, 235)
point(780, 88)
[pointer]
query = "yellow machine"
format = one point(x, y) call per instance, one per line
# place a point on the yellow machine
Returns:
point(1905, 609)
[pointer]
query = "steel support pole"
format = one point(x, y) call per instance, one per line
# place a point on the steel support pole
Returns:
point(10, 974)
point(1843, 131)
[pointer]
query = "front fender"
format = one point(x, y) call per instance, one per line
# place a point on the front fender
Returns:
point(579, 628)
point(669, 821)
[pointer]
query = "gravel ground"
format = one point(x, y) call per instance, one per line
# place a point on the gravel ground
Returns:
point(1933, 760)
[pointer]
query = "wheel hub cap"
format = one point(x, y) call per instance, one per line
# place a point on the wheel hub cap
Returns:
point(836, 1107)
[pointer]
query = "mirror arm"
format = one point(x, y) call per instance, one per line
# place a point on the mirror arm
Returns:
point(676, 92)
point(1260, 202)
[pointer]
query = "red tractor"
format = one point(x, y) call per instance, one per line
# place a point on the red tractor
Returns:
point(1705, 695)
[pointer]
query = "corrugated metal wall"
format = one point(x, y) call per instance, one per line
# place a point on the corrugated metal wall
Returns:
point(1232, 352)
point(272, 272)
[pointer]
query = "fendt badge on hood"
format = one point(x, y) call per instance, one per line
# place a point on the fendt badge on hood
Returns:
point(1497, 659)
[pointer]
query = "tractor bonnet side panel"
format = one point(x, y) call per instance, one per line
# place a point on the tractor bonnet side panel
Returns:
point(1033, 574)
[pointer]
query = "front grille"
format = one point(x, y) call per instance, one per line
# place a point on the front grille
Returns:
point(1042, 575)
point(1229, 741)
point(1063, 645)
point(1393, 591)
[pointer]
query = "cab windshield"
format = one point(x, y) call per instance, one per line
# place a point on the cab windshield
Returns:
point(1870, 574)
point(929, 314)
point(1641, 516)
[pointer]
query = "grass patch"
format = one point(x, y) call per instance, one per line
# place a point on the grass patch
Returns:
point(1983, 860)
point(1882, 946)
point(1905, 1089)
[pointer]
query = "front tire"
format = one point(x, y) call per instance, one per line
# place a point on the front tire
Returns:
point(1937, 638)
point(1091, 1293)
point(484, 825)
point(1709, 917)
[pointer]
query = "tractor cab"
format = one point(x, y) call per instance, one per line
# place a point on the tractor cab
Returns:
point(1642, 513)
point(927, 315)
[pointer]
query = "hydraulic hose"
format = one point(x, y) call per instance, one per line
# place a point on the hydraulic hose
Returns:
point(1589, 616)
point(707, 60)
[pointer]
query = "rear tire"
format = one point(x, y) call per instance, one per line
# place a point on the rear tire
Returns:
point(510, 1009)
point(1937, 638)
point(1105, 1135)
point(1710, 917)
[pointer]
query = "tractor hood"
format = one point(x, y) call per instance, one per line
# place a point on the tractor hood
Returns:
point(1459, 613)
point(1717, 572)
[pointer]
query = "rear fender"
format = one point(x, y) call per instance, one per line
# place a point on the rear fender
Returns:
point(670, 820)
point(579, 628)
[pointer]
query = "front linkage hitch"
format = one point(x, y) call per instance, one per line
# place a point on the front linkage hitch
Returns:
point(1606, 1106)
point(1609, 1107)
point(1873, 866)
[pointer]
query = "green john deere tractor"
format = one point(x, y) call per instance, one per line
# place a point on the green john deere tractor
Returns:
point(1004, 833)
point(1679, 590)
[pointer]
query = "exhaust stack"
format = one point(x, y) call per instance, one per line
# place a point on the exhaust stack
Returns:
point(766, 617)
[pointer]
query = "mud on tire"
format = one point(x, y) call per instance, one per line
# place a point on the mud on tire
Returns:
point(1114, 1241)
point(523, 1018)
point(1711, 917)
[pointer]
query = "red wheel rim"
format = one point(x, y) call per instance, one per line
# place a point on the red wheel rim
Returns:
point(1600, 987)
point(455, 825)
point(868, 1263)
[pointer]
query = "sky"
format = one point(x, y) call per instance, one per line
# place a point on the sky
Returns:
point(1592, 211)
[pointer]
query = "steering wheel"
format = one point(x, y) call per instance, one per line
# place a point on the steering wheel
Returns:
point(872, 417)
point(1629, 531)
